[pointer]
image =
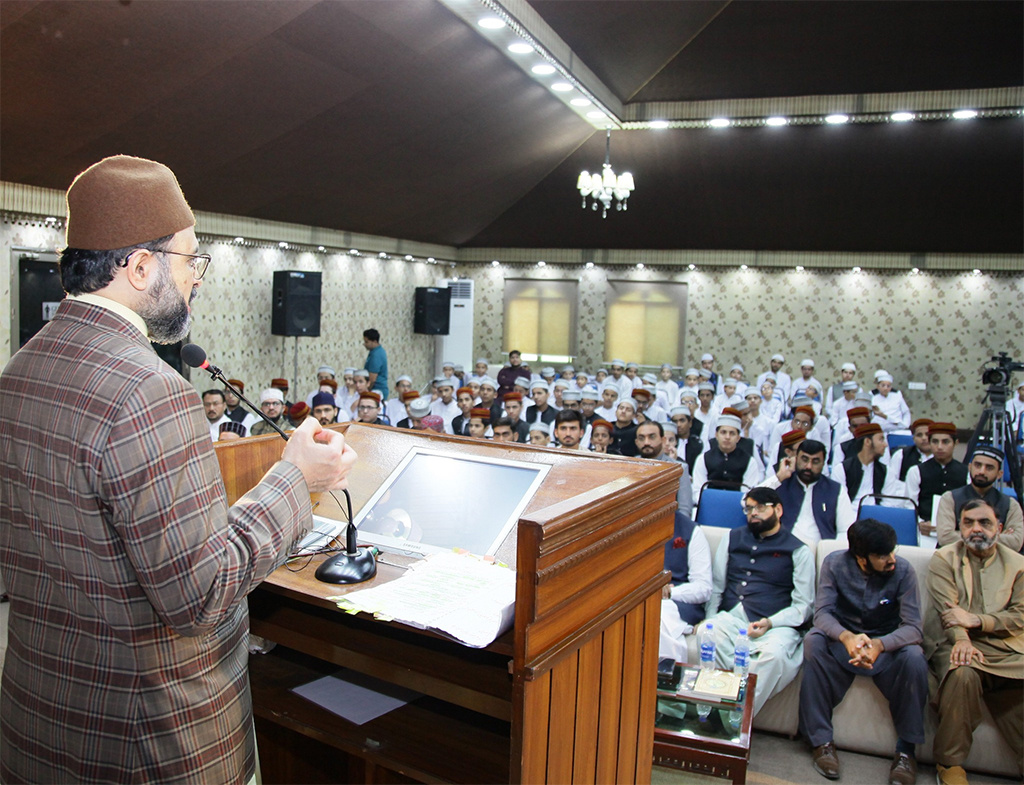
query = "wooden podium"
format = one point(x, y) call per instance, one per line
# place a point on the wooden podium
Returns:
point(567, 695)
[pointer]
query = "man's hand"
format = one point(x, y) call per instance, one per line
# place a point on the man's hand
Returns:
point(321, 455)
point(962, 654)
point(955, 616)
point(925, 527)
point(758, 628)
point(854, 643)
point(867, 654)
point(785, 469)
point(666, 591)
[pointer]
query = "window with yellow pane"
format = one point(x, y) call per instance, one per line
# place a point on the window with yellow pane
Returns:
point(645, 322)
point(540, 318)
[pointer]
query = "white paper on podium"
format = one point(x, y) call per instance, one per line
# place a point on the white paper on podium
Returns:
point(459, 595)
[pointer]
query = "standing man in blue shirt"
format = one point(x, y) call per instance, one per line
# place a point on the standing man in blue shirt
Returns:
point(376, 361)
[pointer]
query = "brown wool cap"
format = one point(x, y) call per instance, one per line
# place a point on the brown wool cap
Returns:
point(942, 427)
point(374, 396)
point(409, 395)
point(465, 390)
point(300, 409)
point(480, 413)
point(281, 384)
point(866, 430)
point(808, 410)
point(330, 383)
point(919, 422)
point(237, 383)
point(793, 437)
point(599, 423)
point(123, 201)
point(858, 411)
point(513, 396)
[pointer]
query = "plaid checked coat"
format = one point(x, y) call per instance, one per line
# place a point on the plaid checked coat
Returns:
point(126, 570)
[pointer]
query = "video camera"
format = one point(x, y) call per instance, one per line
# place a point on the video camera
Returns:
point(998, 377)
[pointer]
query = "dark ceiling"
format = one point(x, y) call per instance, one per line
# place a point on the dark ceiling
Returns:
point(397, 118)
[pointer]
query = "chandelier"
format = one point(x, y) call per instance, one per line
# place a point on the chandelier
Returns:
point(605, 186)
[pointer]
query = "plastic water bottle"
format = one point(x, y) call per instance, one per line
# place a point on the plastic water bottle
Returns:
point(707, 647)
point(741, 664)
point(703, 711)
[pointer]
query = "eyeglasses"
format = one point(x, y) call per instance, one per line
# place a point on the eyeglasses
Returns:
point(197, 261)
point(750, 510)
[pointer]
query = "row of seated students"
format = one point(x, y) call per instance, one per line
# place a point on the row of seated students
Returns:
point(864, 618)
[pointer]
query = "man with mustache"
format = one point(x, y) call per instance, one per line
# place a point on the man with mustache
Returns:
point(815, 508)
point(764, 583)
point(867, 621)
point(984, 468)
point(974, 639)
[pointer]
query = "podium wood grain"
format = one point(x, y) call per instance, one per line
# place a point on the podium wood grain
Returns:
point(566, 696)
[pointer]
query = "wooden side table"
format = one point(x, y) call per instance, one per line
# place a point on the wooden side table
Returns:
point(712, 747)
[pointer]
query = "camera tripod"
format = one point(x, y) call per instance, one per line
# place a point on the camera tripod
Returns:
point(995, 428)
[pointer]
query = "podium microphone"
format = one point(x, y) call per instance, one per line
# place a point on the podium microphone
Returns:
point(354, 564)
point(194, 355)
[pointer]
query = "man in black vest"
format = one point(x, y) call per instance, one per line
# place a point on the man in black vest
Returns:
point(863, 473)
point(985, 468)
point(464, 400)
point(903, 458)
point(867, 622)
point(724, 465)
point(690, 446)
point(927, 481)
point(764, 583)
point(815, 507)
point(624, 429)
point(688, 558)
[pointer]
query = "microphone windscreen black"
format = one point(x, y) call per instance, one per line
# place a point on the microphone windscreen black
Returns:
point(193, 354)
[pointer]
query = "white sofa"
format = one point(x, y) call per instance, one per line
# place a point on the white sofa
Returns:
point(862, 722)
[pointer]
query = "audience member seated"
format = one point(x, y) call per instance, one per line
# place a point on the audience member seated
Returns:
point(540, 434)
point(902, 458)
point(416, 410)
point(974, 639)
point(324, 410)
point(297, 413)
point(929, 480)
point(985, 467)
point(323, 373)
point(888, 404)
point(650, 443)
point(847, 399)
point(446, 407)
point(235, 410)
point(781, 380)
point(689, 447)
point(464, 399)
point(867, 621)
point(272, 405)
point(231, 430)
point(214, 406)
point(799, 386)
point(479, 422)
point(803, 419)
point(688, 558)
point(514, 412)
point(763, 581)
point(863, 473)
point(816, 507)
point(502, 430)
point(787, 449)
point(667, 387)
point(837, 391)
point(723, 465)
point(542, 409)
point(624, 432)
point(609, 400)
point(568, 429)
point(600, 435)
point(368, 408)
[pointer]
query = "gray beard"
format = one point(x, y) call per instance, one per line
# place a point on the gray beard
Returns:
point(165, 311)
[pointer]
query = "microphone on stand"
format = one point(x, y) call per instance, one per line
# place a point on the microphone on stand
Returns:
point(195, 356)
point(354, 564)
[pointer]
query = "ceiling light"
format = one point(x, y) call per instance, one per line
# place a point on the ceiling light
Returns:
point(382, 255)
point(965, 114)
point(743, 267)
point(799, 268)
point(430, 259)
point(719, 122)
point(901, 117)
point(353, 252)
point(408, 258)
point(239, 239)
point(543, 69)
point(580, 102)
point(491, 23)
point(691, 267)
point(605, 186)
point(520, 48)
point(915, 270)
point(776, 121)
point(659, 123)
point(321, 248)
point(495, 263)
point(561, 87)
point(589, 265)
point(639, 265)
point(596, 115)
point(837, 119)
point(282, 244)
point(51, 220)
point(542, 263)
point(976, 271)
point(856, 269)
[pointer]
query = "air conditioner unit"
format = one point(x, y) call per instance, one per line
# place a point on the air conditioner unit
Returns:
point(457, 345)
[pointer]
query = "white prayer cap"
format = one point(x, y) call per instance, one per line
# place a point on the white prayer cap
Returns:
point(582, 375)
point(448, 364)
point(807, 361)
point(884, 377)
point(629, 401)
point(849, 367)
point(778, 358)
point(878, 373)
point(567, 368)
point(349, 371)
point(444, 381)
point(687, 393)
point(862, 395)
point(666, 365)
point(362, 372)
point(459, 368)
point(541, 426)
point(439, 379)
point(851, 385)
point(650, 378)
point(708, 386)
point(540, 384)
point(547, 371)
point(563, 383)
point(751, 392)
point(326, 369)
point(589, 394)
point(610, 385)
point(483, 360)
point(728, 381)
point(692, 372)
point(737, 367)
point(801, 400)
point(771, 377)
point(403, 378)
point(704, 373)
point(706, 356)
point(272, 394)
point(488, 382)
point(619, 363)
point(632, 365)
point(676, 411)
point(419, 407)
point(741, 406)
point(522, 381)
point(572, 395)
point(729, 419)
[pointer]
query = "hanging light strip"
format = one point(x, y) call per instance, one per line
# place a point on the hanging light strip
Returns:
point(836, 118)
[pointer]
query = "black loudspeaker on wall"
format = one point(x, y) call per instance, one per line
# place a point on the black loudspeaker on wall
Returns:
point(296, 308)
point(432, 310)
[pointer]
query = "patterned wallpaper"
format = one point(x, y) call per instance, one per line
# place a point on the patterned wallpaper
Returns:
point(932, 327)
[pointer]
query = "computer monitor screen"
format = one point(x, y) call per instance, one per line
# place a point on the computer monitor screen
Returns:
point(439, 500)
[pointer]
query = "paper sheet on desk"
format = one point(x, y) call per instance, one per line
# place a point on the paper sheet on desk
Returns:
point(459, 595)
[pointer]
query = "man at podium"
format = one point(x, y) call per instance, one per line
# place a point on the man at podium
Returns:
point(127, 572)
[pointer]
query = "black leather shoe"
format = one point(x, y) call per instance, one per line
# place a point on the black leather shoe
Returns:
point(826, 762)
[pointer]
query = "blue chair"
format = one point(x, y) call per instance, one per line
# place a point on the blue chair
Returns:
point(720, 507)
point(897, 440)
point(901, 519)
